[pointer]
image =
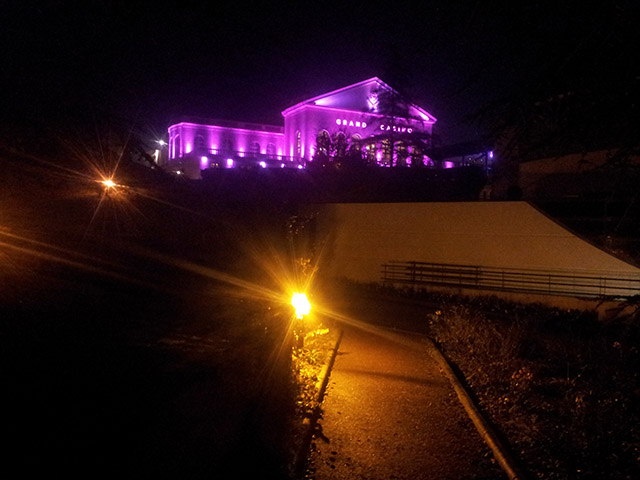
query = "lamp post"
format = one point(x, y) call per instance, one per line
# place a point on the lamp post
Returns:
point(158, 152)
point(302, 308)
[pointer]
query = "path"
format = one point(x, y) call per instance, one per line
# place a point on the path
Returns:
point(389, 413)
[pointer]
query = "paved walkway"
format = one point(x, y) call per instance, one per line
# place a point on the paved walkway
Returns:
point(389, 413)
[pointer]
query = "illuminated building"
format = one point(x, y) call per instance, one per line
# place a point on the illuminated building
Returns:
point(350, 117)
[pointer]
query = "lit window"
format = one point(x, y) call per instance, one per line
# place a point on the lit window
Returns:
point(177, 147)
point(323, 143)
point(271, 150)
point(254, 149)
point(386, 151)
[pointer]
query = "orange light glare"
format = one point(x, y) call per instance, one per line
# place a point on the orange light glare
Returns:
point(108, 183)
point(301, 304)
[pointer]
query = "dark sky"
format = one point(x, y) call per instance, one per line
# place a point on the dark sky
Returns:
point(153, 62)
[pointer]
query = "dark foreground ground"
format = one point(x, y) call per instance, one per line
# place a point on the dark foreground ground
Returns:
point(144, 333)
point(139, 337)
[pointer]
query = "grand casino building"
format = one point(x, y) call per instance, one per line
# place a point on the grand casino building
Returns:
point(352, 112)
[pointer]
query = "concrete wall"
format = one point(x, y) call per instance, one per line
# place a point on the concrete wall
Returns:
point(356, 239)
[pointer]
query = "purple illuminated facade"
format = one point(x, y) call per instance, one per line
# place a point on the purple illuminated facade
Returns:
point(350, 114)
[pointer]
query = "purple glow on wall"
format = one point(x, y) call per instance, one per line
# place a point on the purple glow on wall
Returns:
point(187, 138)
point(351, 110)
point(348, 108)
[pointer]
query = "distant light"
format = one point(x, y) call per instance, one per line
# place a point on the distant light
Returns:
point(263, 164)
point(204, 160)
point(448, 164)
point(162, 143)
point(300, 167)
point(230, 162)
point(300, 304)
point(108, 183)
point(491, 154)
point(282, 165)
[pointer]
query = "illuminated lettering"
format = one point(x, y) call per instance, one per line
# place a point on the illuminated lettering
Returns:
point(351, 123)
point(396, 128)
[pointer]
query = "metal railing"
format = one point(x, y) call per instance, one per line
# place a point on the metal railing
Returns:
point(545, 282)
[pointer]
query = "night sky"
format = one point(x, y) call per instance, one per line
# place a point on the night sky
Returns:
point(151, 63)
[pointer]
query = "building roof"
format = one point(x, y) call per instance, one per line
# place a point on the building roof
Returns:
point(262, 127)
point(360, 96)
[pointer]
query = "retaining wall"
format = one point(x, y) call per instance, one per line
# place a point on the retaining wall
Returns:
point(355, 239)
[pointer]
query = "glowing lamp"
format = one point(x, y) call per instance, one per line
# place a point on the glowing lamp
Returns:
point(300, 304)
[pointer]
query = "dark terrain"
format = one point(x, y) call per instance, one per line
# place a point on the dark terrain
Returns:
point(145, 332)
point(122, 351)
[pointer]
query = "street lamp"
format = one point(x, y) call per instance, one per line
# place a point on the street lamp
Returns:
point(300, 304)
point(302, 307)
point(108, 183)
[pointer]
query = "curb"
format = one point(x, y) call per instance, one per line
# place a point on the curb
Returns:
point(323, 382)
point(485, 430)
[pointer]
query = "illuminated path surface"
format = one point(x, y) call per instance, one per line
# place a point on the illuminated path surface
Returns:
point(390, 414)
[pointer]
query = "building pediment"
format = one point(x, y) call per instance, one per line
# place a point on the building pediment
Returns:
point(361, 97)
